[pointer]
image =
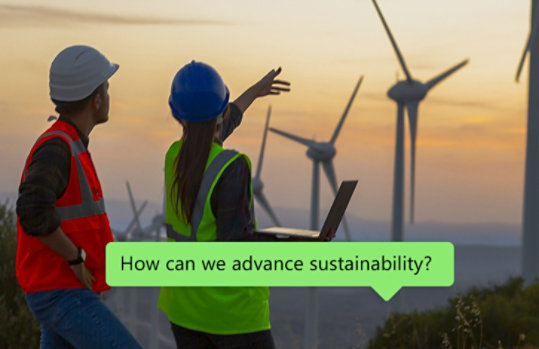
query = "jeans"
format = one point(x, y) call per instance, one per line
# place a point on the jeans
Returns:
point(190, 339)
point(77, 318)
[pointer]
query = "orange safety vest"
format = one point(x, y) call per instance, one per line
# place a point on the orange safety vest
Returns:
point(81, 209)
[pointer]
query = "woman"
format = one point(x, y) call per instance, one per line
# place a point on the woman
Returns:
point(209, 198)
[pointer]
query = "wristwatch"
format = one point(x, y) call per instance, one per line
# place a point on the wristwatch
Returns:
point(81, 257)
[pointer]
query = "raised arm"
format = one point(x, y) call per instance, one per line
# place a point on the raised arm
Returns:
point(268, 85)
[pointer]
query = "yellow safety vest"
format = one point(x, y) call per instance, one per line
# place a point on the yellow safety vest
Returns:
point(217, 310)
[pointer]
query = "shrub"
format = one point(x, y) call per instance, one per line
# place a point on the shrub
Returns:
point(18, 328)
point(505, 316)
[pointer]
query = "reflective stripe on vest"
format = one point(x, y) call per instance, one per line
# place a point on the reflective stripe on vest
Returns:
point(205, 186)
point(88, 207)
point(217, 310)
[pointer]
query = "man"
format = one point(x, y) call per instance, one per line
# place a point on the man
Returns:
point(62, 224)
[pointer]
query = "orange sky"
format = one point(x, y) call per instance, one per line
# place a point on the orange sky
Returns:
point(470, 159)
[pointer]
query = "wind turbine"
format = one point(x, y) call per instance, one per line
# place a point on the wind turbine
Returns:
point(123, 235)
point(530, 220)
point(322, 153)
point(135, 229)
point(407, 94)
point(258, 185)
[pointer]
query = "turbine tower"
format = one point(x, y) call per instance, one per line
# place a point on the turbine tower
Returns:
point(530, 219)
point(322, 153)
point(258, 185)
point(407, 94)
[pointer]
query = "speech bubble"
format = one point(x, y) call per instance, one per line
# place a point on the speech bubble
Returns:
point(384, 266)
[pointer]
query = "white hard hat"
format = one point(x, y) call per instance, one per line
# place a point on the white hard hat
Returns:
point(77, 71)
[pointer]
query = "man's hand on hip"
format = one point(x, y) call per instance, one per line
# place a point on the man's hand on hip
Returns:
point(83, 274)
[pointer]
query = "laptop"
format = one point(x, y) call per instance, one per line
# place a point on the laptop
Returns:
point(333, 218)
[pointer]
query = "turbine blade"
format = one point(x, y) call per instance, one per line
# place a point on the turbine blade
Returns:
point(523, 58)
point(261, 156)
point(393, 42)
point(133, 207)
point(332, 178)
point(412, 109)
point(432, 82)
point(346, 110)
point(266, 206)
point(298, 139)
point(133, 221)
point(531, 40)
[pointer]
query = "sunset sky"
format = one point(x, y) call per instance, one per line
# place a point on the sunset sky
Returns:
point(471, 133)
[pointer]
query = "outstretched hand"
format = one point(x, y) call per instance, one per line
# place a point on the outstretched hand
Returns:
point(268, 85)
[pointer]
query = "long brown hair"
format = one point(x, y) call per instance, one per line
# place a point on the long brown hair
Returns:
point(190, 165)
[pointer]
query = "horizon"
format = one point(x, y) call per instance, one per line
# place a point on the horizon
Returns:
point(362, 229)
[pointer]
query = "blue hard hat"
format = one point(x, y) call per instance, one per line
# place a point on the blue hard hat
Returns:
point(198, 93)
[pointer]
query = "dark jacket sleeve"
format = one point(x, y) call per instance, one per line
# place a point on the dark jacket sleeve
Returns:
point(230, 204)
point(46, 180)
point(233, 121)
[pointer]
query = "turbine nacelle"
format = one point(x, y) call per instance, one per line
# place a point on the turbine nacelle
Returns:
point(257, 185)
point(322, 151)
point(405, 91)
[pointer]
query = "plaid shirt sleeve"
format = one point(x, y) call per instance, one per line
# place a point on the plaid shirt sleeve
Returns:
point(46, 180)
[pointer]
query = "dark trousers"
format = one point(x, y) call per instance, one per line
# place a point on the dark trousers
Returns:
point(189, 339)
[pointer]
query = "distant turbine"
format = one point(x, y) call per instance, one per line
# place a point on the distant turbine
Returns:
point(323, 153)
point(134, 229)
point(320, 152)
point(133, 206)
point(407, 94)
point(123, 235)
point(258, 185)
point(530, 218)
point(132, 224)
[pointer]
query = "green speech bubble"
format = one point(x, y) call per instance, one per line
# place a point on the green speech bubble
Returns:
point(384, 266)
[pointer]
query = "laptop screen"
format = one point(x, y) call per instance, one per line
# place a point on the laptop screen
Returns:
point(338, 207)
